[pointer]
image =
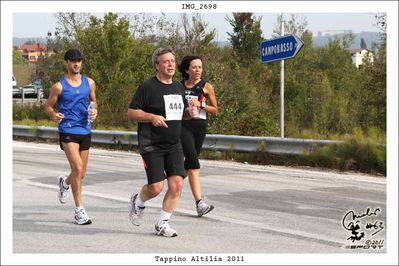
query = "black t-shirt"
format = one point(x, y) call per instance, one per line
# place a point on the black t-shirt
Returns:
point(150, 97)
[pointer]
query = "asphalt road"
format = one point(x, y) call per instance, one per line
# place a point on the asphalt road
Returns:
point(258, 210)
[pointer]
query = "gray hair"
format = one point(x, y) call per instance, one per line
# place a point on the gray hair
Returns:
point(160, 51)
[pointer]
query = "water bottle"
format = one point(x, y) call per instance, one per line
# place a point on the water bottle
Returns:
point(193, 110)
point(92, 107)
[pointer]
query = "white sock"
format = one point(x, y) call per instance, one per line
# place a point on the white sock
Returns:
point(164, 215)
point(78, 208)
point(139, 202)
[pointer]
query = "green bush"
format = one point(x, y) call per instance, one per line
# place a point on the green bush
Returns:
point(359, 152)
point(32, 112)
point(34, 123)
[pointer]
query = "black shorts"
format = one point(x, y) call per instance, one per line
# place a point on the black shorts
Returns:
point(84, 141)
point(160, 164)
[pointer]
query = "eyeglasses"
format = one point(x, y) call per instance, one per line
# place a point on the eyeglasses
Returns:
point(75, 60)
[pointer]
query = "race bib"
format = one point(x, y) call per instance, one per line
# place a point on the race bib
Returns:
point(174, 107)
point(191, 97)
point(202, 113)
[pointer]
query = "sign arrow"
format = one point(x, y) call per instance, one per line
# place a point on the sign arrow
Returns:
point(281, 48)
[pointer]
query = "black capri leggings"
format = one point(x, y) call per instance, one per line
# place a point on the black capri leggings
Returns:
point(192, 137)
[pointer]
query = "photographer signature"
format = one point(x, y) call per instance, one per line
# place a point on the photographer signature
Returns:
point(352, 221)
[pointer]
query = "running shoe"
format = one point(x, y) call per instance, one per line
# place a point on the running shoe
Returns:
point(63, 192)
point(135, 212)
point(162, 228)
point(203, 208)
point(81, 217)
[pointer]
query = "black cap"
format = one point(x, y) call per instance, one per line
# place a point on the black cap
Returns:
point(73, 54)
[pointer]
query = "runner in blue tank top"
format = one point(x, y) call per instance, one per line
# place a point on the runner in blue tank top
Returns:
point(73, 103)
point(72, 94)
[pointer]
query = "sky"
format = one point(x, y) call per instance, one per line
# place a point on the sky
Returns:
point(34, 25)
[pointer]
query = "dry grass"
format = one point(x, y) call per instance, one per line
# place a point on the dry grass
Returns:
point(23, 73)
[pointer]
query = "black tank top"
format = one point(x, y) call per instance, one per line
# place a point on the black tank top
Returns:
point(197, 91)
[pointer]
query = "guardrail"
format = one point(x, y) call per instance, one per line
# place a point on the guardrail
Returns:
point(212, 142)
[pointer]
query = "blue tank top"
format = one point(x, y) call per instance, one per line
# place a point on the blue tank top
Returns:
point(73, 103)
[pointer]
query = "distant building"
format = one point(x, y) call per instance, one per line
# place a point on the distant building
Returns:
point(358, 54)
point(333, 32)
point(32, 52)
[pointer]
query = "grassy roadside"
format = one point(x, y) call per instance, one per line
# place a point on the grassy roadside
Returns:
point(353, 156)
point(365, 157)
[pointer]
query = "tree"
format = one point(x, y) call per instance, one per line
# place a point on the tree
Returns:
point(195, 34)
point(372, 107)
point(68, 25)
point(382, 25)
point(295, 25)
point(17, 58)
point(363, 44)
point(347, 40)
point(116, 61)
point(246, 36)
point(325, 94)
point(190, 36)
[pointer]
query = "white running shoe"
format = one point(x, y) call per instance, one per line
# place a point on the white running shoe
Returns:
point(162, 228)
point(136, 213)
point(203, 208)
point(81, 217)
point(63, 192)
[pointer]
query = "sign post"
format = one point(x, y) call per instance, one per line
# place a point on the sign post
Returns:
point(282, 90)
point(281, 48)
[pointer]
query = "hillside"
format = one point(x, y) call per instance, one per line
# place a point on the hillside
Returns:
point(19, 41)
point(369, 37)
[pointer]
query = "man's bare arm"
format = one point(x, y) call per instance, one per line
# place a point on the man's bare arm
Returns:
point(55, 92)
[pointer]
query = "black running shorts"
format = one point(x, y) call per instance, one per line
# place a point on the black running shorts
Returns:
point(160, 164)
point(193, 134)
point(84, 141)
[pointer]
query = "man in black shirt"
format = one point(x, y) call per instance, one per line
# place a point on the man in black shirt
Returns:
point(158, 106)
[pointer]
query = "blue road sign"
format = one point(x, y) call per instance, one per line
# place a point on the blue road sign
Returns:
point(281, 48)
